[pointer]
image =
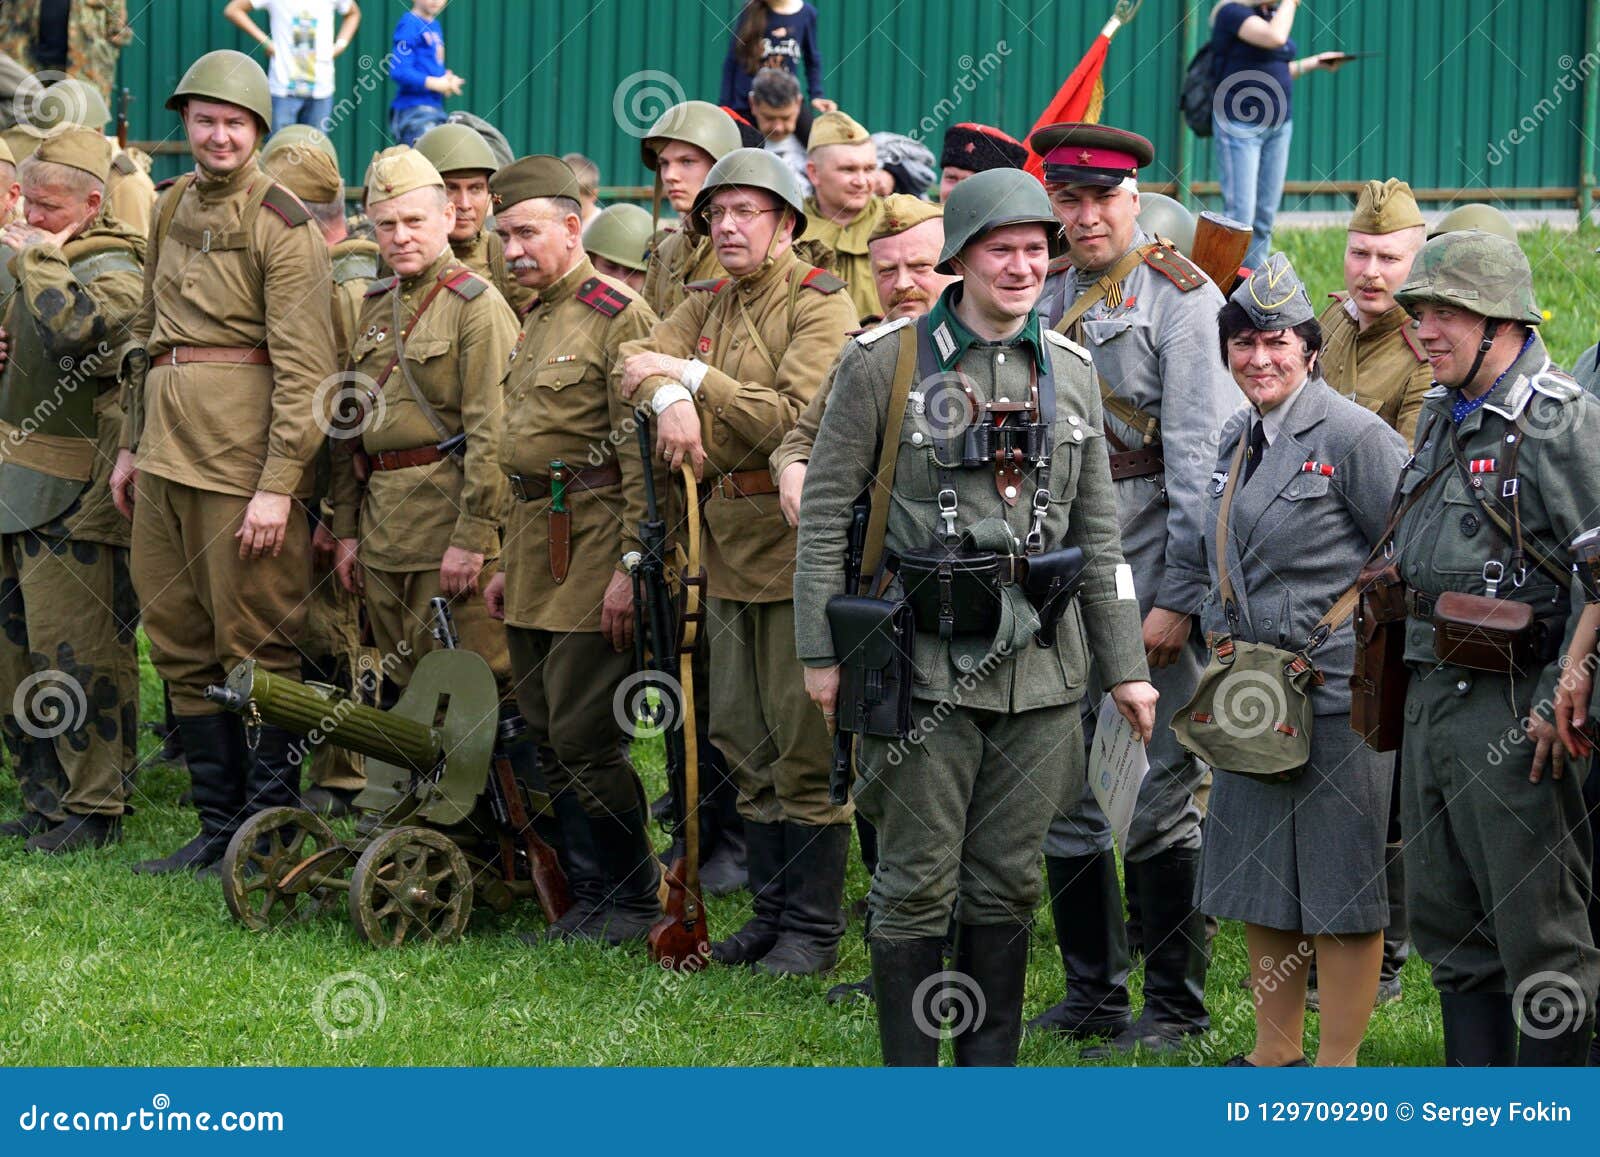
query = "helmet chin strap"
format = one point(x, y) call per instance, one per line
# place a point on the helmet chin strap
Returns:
point(1490, 327)
point(766, 261)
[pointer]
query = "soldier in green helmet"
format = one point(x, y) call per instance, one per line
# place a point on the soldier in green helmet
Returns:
point(1475, 215)
point(962, 803)
point(618, 242)
point(1161, 216)
point(680, 149)
point(465, 161)
point(1497, 853)
point(69, 672)
point(229, 351)
point(727, 374)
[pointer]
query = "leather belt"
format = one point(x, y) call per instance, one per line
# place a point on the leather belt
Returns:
point(1145, 463)
point(401, 459)
point(744, 484)
point(1420, 606)
point(228, 355)
point(533, 487)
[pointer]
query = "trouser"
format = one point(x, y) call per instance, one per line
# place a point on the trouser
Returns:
point(402, 622)
point(961, 810)
point(1497, 868)
point(332, 642)
point(69, 673)
point(567, 689)
point(763, 720)
point(205, 609)
point(1168, 812)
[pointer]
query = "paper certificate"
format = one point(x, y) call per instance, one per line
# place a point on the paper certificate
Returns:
point(1117, 766)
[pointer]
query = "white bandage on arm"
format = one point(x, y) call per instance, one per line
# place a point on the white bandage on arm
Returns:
point(1125, 582)
point(668, 395)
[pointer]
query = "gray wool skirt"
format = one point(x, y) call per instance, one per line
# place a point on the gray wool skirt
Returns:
point(1305, 856)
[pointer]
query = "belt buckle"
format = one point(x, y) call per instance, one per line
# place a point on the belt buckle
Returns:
point(518, 491)
point(725, 488)
point(177, 355)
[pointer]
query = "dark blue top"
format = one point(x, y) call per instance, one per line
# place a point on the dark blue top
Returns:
point(418, 49)
point(791, 40)
point(1264, 98)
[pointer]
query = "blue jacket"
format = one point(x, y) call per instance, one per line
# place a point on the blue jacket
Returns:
point(418, 54)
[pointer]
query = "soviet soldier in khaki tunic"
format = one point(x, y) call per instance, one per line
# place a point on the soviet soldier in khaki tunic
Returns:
point(305, 162)
point(1371, 354)
point(564, 594)
point(433, 341)
point(230, 348)
point(842, 211)
point(680, 149)
point(1497, 845)
point(727, 374)
point(69, 668)
point(961, 804)
point(464, 160)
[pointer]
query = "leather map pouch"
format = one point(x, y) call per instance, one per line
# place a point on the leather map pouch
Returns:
point(1379, 678)
point(1497, 635)
point(873, 639)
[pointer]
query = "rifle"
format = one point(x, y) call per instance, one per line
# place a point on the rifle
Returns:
point(506, 800)
point(1220, 244)
point(122, 117)
point(665, 632)
point(843, 741)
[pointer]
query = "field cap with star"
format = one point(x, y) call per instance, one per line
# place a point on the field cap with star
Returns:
point(84, 149)
point(397, 171)
point(1386, 207)
point(836, 128)
point(902, 211)
point(539, 175)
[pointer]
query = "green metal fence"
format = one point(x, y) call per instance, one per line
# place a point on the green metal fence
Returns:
point(1463, 94)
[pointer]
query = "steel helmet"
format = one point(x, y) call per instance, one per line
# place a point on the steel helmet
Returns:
point(753, 169)
point(229, 76)
point(455, 148)
point(1476, 271)
point(991, 200)
point(696, 122)
point(620, 233)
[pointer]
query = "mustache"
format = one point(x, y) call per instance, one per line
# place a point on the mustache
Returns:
point(903, 296)
point(523, 263)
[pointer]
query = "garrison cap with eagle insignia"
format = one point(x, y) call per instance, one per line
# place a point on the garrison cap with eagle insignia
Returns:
point(1274, 296)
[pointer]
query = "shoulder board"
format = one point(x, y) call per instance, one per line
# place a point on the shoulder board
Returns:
point(709, 285)
point(822, 281)
point(124, 164)
point(1064, 342)
point(1175, 267)
point(1411, 342)
point(464, 283)
point(602, 298)
point(382, 286)
point(867, 337)
point(1437, 392)
point(166, 183)
point(1059, 265)
point(355, 266)
point(286, 205)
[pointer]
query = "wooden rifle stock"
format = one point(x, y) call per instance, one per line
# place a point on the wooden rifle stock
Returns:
point(1219, 248)
point(122, 117)
point(549, 881)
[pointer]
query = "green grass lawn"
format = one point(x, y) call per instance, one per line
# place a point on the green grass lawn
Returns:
point(101, 967)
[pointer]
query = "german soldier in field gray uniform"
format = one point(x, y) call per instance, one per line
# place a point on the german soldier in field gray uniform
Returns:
point(998, 459)
point(1498, 856)
point(1148, 318)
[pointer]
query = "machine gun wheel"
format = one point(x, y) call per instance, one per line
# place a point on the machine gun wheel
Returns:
point(259, 881)
point(411, 884)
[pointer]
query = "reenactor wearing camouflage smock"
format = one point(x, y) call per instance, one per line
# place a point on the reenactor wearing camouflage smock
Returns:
point(680, 149)
point(961, 805)
point(230, 347)
point(430, 352)
point(842, 210)
point(97, 30)
point(464, 159)
point(1148, 318)
point(1497, 847)
point(727, 373)
point(578, 501)
point(69, 668)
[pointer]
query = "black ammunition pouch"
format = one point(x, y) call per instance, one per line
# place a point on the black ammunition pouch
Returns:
point(1053, 579)
point(873, 639)
point(954, 591)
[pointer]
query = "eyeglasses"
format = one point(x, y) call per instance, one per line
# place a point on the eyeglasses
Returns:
point(741, 214)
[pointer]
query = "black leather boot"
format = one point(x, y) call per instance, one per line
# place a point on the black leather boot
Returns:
point(631, 903)
point(995, 956)
point(1567, 1050)
point(765, 857)
point(899, 968)
point(580, 863)
point(1087, 905)
point(77, 831)
point(813, 897)
point(1479, 1029)
point(723, 868)
point(213, 747)
point(273, 778)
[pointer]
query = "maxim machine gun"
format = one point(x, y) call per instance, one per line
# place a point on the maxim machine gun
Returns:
point(452, 810)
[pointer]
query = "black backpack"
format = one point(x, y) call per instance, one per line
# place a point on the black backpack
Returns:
point(1199, 87)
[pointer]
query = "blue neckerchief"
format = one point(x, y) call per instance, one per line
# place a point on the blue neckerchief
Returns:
point(1462, 407)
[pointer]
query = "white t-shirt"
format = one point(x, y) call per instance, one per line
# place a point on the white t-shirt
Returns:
point(303, 32)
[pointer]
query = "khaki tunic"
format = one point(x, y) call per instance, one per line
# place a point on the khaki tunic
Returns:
point(677, 257)
point(562, 403)
point(355, 265)
point(130, 193)
point(226, 428)
point(849, 244)
point(485, 255)
point(747, 404)
point(1384, 368)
